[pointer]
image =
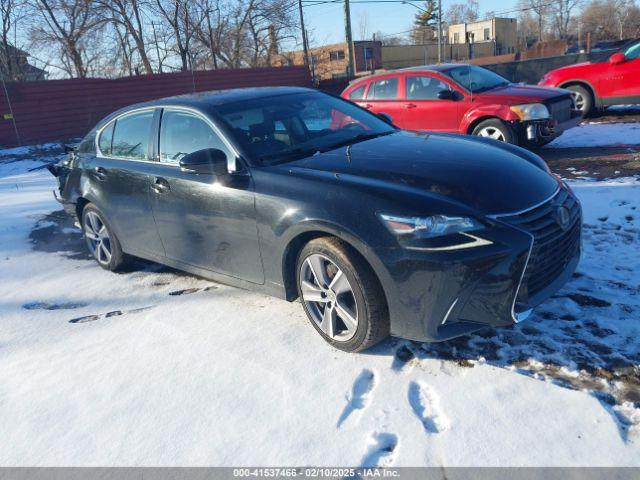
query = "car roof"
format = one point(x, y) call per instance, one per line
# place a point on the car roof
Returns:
point(436, 68)
point(221, 97)
point(204, 101)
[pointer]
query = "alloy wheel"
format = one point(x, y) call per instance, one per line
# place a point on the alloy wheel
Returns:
point(578, 98)
point(97, 238)
point(328, 297)
point(492, 132)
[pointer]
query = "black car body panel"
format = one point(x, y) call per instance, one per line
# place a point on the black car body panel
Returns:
point(245, 228)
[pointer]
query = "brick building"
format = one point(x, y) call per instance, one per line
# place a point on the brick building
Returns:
point(330, 61)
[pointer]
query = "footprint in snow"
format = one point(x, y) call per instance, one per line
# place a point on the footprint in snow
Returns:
point(425, 404)
point(53, 306)
point(360, 395)
point(381, 451)
point(114, 313)
point(188, 291)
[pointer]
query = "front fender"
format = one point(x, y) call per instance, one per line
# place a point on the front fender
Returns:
point(499, 111)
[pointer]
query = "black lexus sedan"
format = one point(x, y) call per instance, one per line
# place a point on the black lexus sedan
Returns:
point(299, 194)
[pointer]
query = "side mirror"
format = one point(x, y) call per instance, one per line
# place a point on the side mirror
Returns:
point(385, 117)
point(208, 161)
point(446, 95)
point(617, 58)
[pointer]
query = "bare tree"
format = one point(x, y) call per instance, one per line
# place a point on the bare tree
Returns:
point(562, 16)
point(129, 15)
point(10, 65)
point(540, 8)
point(181, 17)
point(66, 25)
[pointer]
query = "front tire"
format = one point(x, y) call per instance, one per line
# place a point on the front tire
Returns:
point(495, 129)
point(341, 295)
point(583, 99)
point(102, 242)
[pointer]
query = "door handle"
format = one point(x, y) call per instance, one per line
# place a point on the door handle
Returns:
point(368, 106)
point(410, 105)
point(160, 185)
point(100, 173)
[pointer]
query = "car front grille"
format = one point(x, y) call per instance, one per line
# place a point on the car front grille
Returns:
point(553, 245)
point(560, 110)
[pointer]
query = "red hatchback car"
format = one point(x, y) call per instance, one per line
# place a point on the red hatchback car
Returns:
point(601, 84)
point(467, 99)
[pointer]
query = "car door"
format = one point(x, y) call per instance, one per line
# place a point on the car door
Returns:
point(383, 96)
point(625, 76)
point(204, 220)
point(423, 110)
point(120, 181)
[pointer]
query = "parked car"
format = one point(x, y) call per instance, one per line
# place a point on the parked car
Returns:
point(600, 84)
point(296, 193)
point(467, 99)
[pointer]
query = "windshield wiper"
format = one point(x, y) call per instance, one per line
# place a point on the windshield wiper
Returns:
point(361, 137)
point(290, 154)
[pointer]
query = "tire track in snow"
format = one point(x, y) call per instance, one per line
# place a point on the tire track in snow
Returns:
point(361, 392)
point(425, 404)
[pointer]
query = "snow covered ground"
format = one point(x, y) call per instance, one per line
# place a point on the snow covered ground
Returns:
point(594, 134)
point(156, 367)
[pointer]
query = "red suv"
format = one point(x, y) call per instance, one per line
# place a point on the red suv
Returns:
point(467, 99)
point(600, 84)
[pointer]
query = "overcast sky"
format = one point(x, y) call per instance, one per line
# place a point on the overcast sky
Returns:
point(326, 22)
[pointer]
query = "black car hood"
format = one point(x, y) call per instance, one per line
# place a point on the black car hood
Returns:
point(489, 177)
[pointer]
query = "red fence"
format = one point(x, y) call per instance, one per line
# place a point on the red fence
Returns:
point(61, 109)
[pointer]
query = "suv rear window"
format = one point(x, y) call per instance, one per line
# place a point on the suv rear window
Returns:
point(385, 89)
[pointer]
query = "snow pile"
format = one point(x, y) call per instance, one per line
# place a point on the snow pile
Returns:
point(599, 135)
point(155, 367)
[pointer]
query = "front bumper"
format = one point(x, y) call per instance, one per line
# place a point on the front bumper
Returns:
point(550, 128)
point(458, 292)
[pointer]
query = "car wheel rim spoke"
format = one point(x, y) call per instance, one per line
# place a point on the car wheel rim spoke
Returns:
point(312, 292)
point(347, 317)
point(328, 297)
point(491, 132)
point(328, 322)
point(99, 242)
point(319, 269)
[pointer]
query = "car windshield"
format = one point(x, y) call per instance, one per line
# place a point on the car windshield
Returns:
point(288, 127)
point(476, 79)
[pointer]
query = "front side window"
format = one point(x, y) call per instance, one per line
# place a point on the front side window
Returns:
point(475, 79)
point(182, 133)
point(633, 51)
point(286, 127)
point(104, 142)
point(131, 136)
point(424, 87)
point(357, 93)
point(385, 89)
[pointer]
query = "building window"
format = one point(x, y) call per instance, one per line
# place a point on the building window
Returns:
point(487, 34)
point(314, 59)
point(456, 38)
point(336, 55)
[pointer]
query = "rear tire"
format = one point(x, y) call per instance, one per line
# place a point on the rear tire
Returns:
point(344, 302)
point(495, 129)
point(583, 98)
point(102, 242)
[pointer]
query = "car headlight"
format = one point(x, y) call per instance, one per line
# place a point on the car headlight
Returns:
point(429, 227)
point(531, 111)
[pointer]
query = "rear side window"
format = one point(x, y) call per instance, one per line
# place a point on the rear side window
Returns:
point(131, 136)
point(182, 133)
point(105, 139)
point(357, 93)
point(386, 89)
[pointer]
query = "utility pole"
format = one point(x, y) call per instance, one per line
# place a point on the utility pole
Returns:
point(347, 33)
point(304, 35)
point(439, 31)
